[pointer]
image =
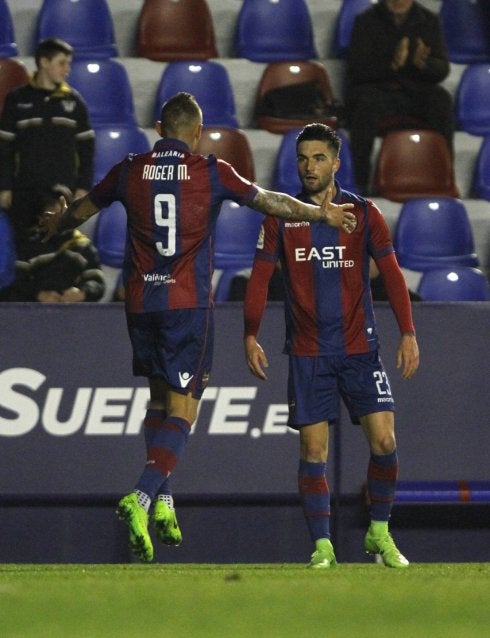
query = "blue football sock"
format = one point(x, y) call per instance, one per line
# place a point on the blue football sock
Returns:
point(315, 498)
point(381, 484)
point(167, 445)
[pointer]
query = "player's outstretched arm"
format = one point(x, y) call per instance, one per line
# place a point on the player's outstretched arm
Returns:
point(287, 207)
point(68, 217)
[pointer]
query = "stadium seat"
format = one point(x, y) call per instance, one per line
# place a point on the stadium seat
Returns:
point(454, 284)
point(414, 163)
point(434, 233)
point(272, 31)
point(277, 75)
point(466, 25)
point(481, 182)
point(110, 235)
point(231, 145)
point(345, 21)
point(113, 143)
point(237, 231)
point(472, 103)
point(8, 45)
point(87, 26)
point(104, 85)
point(286, 178)
point(210, 84)
point(170, 30)
point(13, 73)
point(7, 251)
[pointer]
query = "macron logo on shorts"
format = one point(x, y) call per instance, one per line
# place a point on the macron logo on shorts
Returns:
point(184, 378)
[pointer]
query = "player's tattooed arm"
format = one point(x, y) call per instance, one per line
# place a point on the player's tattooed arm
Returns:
point(287, 207)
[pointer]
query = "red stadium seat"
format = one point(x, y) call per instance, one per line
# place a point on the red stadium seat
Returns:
point(170, 30)
point(13, 73)
point(231, 145)
point(414, 163)
point(285, 74)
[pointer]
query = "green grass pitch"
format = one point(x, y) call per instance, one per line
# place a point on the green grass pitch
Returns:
point(446, 600)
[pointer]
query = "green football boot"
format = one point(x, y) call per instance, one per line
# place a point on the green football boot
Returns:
point(324, 556)
point(165, 521)
point(384, 545)
point(136, 519)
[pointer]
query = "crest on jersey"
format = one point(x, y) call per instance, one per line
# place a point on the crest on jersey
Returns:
point(68, 105)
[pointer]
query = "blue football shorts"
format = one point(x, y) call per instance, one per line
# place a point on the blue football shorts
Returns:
point(316, 385)
point(174, 345)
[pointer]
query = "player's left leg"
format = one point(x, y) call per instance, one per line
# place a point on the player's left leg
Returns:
point(379, 428)
point(150, 427)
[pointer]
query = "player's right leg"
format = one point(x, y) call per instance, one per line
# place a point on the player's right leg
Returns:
point(310, 394)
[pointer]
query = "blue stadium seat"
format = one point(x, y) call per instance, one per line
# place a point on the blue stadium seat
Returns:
point(170, 30)
point(345, 21)
point(466, 25)
point(110, 235)
point(7, 251)
point(271, 31)
point(113, 143)
point(8, 45)
point(434, 233)
point(286, 178)
point(210, 84)
point(104, 85)
point(472, 101)
point(237, 231)
point(461, 283)
point(481, 181)
point(87, 26)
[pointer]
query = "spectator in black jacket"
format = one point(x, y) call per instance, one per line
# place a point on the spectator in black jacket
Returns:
point(396, 61)
point(65, 269)
point(45, 138)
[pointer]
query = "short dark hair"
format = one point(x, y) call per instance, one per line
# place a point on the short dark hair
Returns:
point(50, 195)
point(49, 47)
point(320, 132)
point(179, 111)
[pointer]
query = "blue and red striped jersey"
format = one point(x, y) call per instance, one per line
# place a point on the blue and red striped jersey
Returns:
point(328, 304)
point(172, 198)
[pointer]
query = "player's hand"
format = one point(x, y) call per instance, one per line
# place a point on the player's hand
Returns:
point(407, 356)
point(49, 220)
point(338, 215)
point(255, 356)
